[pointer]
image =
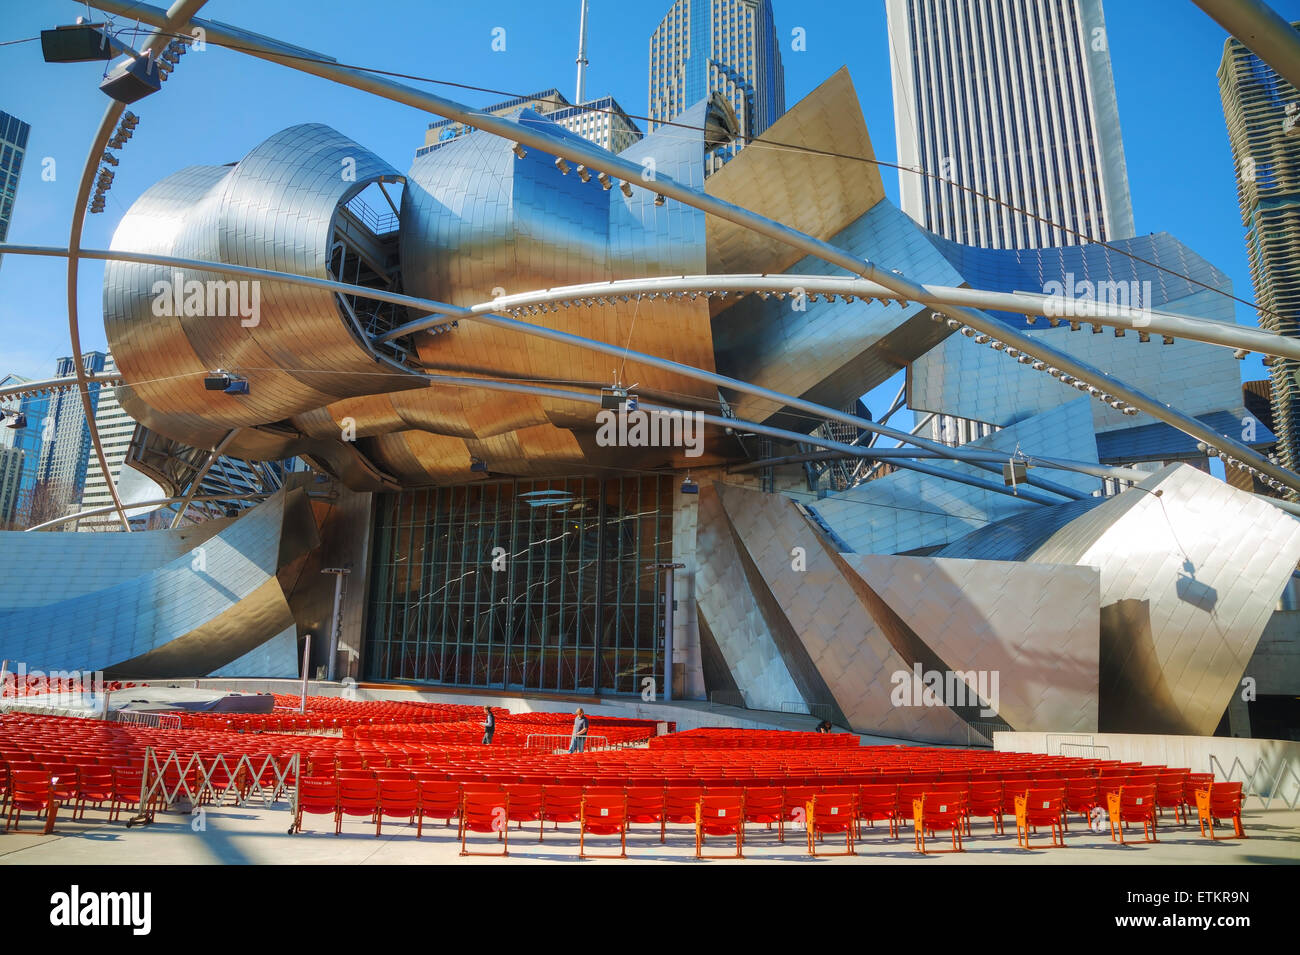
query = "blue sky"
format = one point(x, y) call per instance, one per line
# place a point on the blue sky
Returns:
point(219, 104)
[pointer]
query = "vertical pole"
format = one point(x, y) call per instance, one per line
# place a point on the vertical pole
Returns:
point(668, 635)
point(332, 672)
point(582, 56)
point(306, 662)
point(4, 677)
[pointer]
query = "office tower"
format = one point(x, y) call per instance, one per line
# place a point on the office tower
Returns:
point(601, 121)
point(718, 46)
point(1263, 116)
point(1016, 102)
point(65, 448)
point(115, 428)
point(27, 440)
point(13, 147)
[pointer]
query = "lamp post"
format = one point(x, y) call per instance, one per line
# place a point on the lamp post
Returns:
point(668, 627)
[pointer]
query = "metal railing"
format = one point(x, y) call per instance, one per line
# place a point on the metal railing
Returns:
point(726, 698)
point(164, 721)
point(562, 741)
point(376, 222)
point(1066, 739)
point(213, 780)
point(820, 710)
point(1271, 788)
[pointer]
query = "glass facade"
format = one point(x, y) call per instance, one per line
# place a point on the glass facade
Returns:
point(522, 584)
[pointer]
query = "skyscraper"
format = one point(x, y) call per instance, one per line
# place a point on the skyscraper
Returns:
point(26, 441)
point(65, 450)
point(1015, 101)
point(1263, 116)
point(115, 428)
point(724, 46)
point(13, 148)
point(600, 121)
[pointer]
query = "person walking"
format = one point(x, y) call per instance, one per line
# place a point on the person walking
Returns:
point(489, 726)
point(579, 732)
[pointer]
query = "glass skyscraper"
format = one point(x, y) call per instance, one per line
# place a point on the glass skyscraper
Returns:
point(65, 448)
point(13, 148)
point(718, 46)
point(1263, 116)
point(1016, 102)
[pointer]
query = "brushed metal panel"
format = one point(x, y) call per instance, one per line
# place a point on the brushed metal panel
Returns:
point(1036, 625)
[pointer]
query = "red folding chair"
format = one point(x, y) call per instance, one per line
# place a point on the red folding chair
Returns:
point(525, 805)
point(720, 814)
point(1169, 793)
point(317, 796)
point(561, 804)
point(398, 799)
point(1220, 801)
point(679, 807)
point(485, 812)
point(1040, 807)
point(603, 815)
point(94, 787)
point(31, 791)
point(985, 802)
point(439, 799)
point(934, 812)
point(357, 797)
point(1133, 804)
point(878, 801)
point(645, 804)
point(830, 814)
point(766, 805)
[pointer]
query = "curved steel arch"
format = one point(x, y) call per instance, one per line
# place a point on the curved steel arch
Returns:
point(1151, 321)
point(175, 18)
point(514, 325)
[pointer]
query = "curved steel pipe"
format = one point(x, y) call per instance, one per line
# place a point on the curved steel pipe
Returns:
point(141, 505)
point(174, 18)
point(1152, 321)
point(524, 328)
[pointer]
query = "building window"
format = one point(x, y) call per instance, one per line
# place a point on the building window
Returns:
point(572, 602)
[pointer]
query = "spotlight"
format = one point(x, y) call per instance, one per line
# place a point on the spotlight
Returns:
point(1167, 340)
point(133, 80)
point(659, 199)
point(625, 188)
point(953, 324)
point(80, 43)
point(226, 382)
point(612, 398)
point(1240, 354)
point(1119, 332)
point(584, 173)
point(968, 331)
point(982, 339)
point(561, 165)
point(519, 150)
point(1144, 336)
point(689, 486)
point(1025, 359)
point(1012, 353)
point(605, 182)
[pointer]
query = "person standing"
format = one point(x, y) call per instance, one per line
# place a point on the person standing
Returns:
point(489, 726)
point(579, 732)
